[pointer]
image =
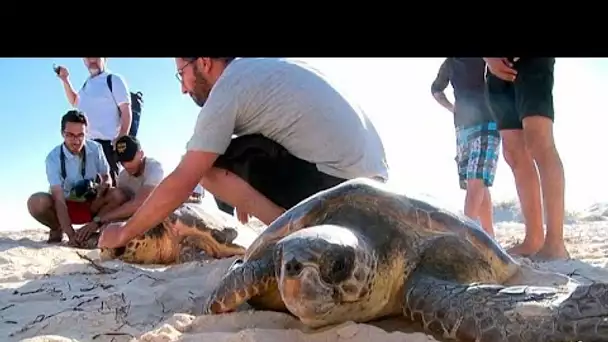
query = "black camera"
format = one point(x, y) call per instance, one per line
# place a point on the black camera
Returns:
point(56, 69)
point(86, 188)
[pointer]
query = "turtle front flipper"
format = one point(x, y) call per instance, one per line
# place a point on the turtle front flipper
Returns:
point(495, 313)
point(252, 281)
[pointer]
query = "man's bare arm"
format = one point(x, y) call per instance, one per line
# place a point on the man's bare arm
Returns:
point(106, 180)
point(440, 84)
point(61, 209)
point(130, 207)
point(126, 117)
point(70, 93)
point(104, 185)
point(169, 194)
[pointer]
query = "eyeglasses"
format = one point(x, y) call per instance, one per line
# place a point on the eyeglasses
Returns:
point(180, 71)
point(73, 136)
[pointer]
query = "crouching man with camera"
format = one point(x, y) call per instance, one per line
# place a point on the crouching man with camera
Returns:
point(80, 184)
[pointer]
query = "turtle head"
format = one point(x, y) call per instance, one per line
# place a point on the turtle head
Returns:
point(323, 272)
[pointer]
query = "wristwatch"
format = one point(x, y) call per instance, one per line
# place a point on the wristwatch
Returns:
point(97, 220)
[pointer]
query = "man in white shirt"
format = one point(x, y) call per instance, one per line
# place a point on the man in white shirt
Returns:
point(108, 111)
point(296, 134)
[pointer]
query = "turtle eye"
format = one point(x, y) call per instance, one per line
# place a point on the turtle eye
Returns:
point(337, 265)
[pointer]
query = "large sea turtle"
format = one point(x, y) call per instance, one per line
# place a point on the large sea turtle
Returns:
point(359, 252)
point(189, 233)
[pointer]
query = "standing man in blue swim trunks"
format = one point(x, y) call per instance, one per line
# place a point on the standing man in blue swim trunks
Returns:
point(477, 136)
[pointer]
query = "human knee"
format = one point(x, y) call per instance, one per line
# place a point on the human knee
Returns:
point(215, 175)
point(39, 203)
point(516, 154)
point(475, 186)
point(538, 132)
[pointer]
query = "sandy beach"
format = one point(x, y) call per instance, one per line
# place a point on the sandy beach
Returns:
point(50, 293)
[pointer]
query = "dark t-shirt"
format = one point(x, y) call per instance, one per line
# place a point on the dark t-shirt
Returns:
point(467, 78)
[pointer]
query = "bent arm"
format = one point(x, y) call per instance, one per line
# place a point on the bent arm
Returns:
point(120, 91)
point(170, 193)
point(53, 175)
point(126, 117)
point(130, 207)
point(102, 166)
point(70, 93)
point(440, 84)
point(153, 176)
point(61, 210)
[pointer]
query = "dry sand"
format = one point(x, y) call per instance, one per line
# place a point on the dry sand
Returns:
point(48, 293)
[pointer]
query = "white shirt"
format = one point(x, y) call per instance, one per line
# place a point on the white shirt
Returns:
point(101, 106)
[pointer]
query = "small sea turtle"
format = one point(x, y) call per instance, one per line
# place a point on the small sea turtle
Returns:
point(189, 233)
point(359, 252)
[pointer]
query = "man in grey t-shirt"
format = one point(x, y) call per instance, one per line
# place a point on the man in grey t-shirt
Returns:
point(296, 134)
point(138, 178)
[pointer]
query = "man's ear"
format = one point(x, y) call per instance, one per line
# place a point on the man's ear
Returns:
point(204, 64)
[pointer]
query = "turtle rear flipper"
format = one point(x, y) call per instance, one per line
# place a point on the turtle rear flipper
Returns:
point(212, 246)
point(253, 280)
point(496, 313)
point(195, 227)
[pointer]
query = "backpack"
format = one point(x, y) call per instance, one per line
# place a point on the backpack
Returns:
point(136, 105)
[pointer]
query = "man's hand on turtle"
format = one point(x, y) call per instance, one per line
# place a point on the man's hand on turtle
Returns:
point(112, 236)
point(85, 232)
point(72, 242)
point(501, 68)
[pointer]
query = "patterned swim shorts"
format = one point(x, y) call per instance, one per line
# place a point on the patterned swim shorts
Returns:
point(478, 148)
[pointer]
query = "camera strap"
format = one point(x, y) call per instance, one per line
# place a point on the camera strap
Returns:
point(83, 164)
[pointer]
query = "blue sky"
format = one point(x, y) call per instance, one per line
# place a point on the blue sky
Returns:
point(418, 133)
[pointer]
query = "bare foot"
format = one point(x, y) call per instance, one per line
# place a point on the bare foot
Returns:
point(552, 251)
point(527, 275)
point(526, 248)
point(55, 236)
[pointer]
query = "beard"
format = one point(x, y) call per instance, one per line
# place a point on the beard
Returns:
point(94, 70)
point(201, 90)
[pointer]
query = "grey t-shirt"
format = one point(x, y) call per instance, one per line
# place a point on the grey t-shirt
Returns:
point(293, 104)
point(153, 174)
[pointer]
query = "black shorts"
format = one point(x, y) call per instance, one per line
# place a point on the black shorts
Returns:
point(269, 168)
point(531, 94)
point(223, 206)
point(108, 151)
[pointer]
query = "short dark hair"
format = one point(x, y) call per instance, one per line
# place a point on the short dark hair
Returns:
point(74, 116)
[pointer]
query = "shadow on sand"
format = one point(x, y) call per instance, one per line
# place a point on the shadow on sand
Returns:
point(7, 243)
